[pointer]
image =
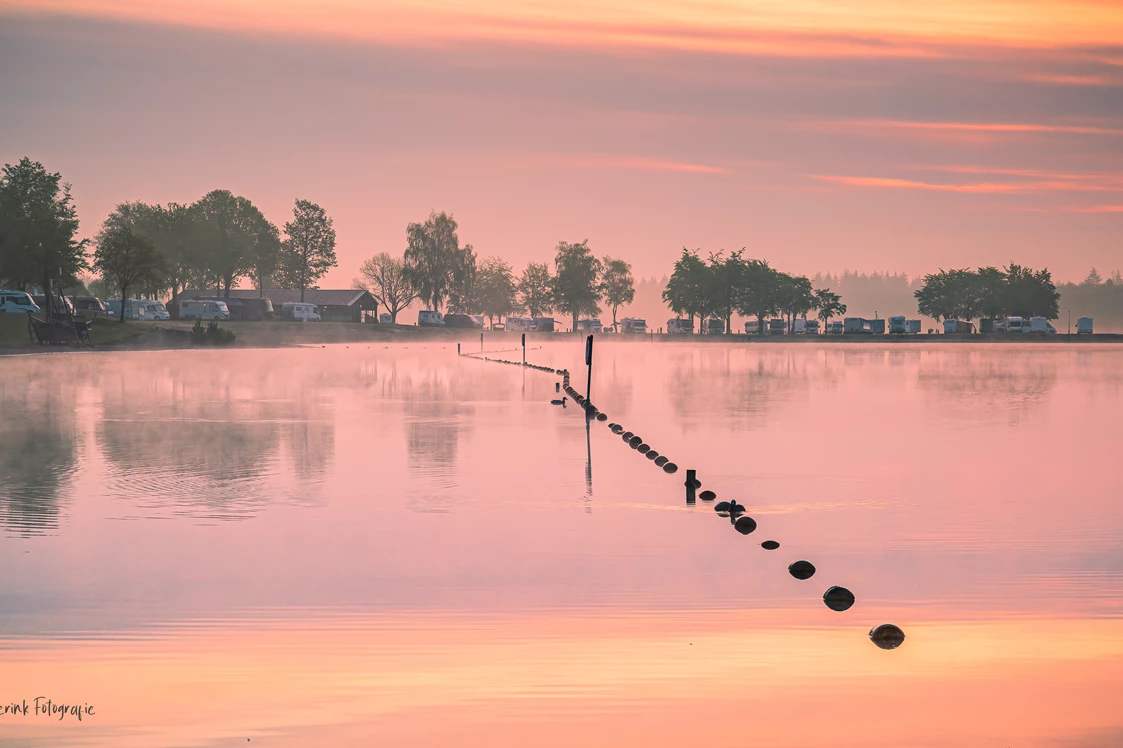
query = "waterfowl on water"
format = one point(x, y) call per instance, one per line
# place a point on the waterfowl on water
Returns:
point(559, 402)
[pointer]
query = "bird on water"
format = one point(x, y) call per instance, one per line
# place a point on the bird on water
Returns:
point(559, 402)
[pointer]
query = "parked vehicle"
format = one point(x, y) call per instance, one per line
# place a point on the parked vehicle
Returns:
point(811, 327)
point(385, 319)
point(752, 327)
point(154, 309)
point(544, 324)
point(714, 327)
point(958, 327)
point(204, 310)
point(680, 327)
point(134, 309)
point(62, 304)
point(17, 302)
point(255, 309)
point(462, 321)
point(1041, 324)
point(912, 327)
point(834, 328)
point(479, 318)
point(429, 318)
point(897, 325)
point(799, 327)
point(777, 326)
point(634, 325)
point(1016, 324)
point(1084, 326)
point(300, 312)
point(590, 325)
point(520, 324)
point(88, 306)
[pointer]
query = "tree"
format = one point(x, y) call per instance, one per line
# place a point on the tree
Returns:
point(576, 290)
point(828, 304)
point(38, 228)
point(266, 262)
point(1031, 293)
point(760, 295)
point(496, 289)
point(463, 295)
point(126, 258)
point(989, 293)
point(384, 278)
point(431, 251)
point(1092, 279)
point(726, 282)
point(617, 285)
point(229, 233)
point(795, 297)
point(936, 297)
point(686, 288)
point(308, 251)
point(535, 286)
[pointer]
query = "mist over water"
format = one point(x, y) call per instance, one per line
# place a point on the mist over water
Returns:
point(393, 545)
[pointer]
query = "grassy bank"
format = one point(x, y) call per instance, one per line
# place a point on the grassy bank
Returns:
point(134, 335)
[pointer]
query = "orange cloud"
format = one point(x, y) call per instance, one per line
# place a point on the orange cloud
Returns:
point(1097, 209)
point(631, 162)
point(1012, 188)
point(968, 127)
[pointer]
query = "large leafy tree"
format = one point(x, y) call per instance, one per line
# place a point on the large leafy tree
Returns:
point(828, 304)
point(760, 295)
point(727, 280)
point(796, 297)
point(617, 286)
point(576, 272)
point(230, 231)
point(686, 288)
point(38, 228)
point(1031, 293)
point(536, 289)
point(127, 258)
point(384, 278)
point(496, 289)
point(463, 290)
point(432, 250)
point(308, 251)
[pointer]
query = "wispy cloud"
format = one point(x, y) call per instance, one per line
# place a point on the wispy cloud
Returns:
point(1011, 188)
point(880, 125)
point(1072, 80)
point(1096, 209)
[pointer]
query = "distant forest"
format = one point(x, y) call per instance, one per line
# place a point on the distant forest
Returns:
point(887, 294)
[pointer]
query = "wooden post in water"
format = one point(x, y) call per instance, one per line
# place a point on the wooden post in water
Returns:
point(589, 363)
point(481, 342)
point(524, 349)
point(690, 487)
point(457, 349)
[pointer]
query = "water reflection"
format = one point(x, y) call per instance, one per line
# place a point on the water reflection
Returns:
point(38, 445)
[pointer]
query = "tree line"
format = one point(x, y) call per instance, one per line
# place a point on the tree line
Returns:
point(441, 273)
point(155, 249)
point(724, 284)
point(989, 293)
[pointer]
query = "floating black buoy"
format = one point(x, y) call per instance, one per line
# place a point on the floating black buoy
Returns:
point(697, 483)
point(802, 569)
point(670, 467)
point(721, 506)
point(643, 449)
point(838, 598)
point(636, 441)
point(628, 436)
point(770, 545)
point(887, 636)
point(745, 525)
point(707, 495)
point(652, 455)
point(660, 461)
point(602, 417)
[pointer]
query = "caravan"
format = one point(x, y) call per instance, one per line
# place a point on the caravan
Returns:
point(520, 324)
point(202, 310)
point(680, 327)
point(590, 325)
point(634, 325)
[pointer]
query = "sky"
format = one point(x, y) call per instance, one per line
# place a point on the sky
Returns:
point(822, 136)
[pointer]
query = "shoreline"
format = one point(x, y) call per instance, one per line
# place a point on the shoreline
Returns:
point(175, 335)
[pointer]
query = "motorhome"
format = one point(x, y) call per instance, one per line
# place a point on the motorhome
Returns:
point(203, 310)
point(429, 318)
point(133, 309)
point(912, 327)
point(1041, 324)
point(385, 319)
point(958, 327)
point(300, 312)
point(752, 327)
point(520, 324)
point(680, 327)
point(462, 321)
point(17, 301)
point(634, 325)
point(154, 309)
point(1016, 324)
point(897, 325)
point(777, 327)
point(590, 325)
point(544, 324)
point(835, 328)
point(811, 327)
point(1084, 326)
point(88, 306)
point(714, 327)
point(799, 327)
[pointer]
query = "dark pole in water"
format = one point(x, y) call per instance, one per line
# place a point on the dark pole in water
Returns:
point(481, 342)
point(689, 486)
point(524, 349)
point(589, 363)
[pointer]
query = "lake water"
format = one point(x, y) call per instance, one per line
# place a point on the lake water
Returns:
point(357, 546)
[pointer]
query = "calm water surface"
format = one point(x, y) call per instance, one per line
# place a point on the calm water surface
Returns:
point(393, 546)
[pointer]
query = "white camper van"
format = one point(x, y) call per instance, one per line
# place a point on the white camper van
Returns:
point(520, 324)
point(17, 301)
point(203, 310)
point(300, 312)
point(680, 327)
point(429, 318)
point(1084, 326)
